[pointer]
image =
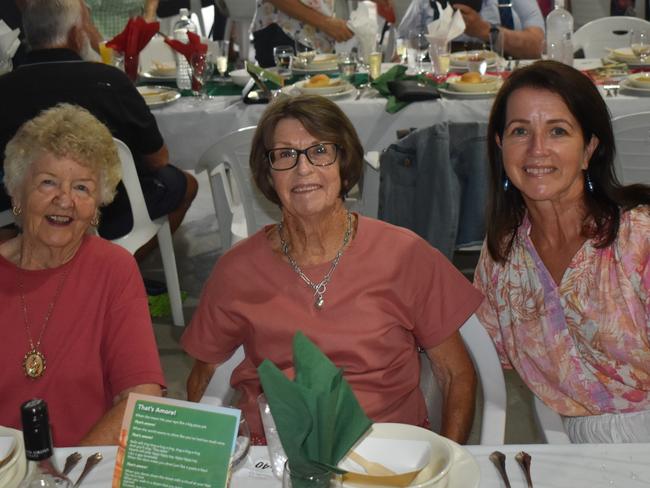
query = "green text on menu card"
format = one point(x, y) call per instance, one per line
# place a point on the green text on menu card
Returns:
point(176, 443)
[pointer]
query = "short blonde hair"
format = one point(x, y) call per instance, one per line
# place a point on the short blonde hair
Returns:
point(64, 131)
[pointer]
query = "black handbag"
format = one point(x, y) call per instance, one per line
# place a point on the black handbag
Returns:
point(412, 90)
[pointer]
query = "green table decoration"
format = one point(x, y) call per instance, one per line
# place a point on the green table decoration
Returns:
point(317, 415)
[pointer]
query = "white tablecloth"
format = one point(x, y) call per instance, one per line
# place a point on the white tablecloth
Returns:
point(191, 126)
point(553, 466)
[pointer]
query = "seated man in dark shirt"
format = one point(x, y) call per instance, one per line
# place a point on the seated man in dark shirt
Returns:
point(54, 71)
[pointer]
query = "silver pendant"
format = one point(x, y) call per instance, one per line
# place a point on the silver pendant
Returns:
point(319, 302)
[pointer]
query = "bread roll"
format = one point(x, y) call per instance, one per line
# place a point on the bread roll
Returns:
point(318, 80)
point(471, 77)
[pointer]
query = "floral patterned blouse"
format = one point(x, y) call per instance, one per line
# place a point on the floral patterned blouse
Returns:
point(267, 14)
point(583, 347)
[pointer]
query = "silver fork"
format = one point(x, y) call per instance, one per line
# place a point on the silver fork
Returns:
point(91, 462)
point(499, 460)
point(70, 462)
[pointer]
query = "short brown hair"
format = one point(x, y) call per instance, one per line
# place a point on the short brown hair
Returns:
point(323, 119)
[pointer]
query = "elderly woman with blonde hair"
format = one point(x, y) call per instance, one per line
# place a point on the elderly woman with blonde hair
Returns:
point(75, 324)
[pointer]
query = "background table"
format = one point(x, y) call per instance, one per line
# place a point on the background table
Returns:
point(191, 126)
point(553, 466)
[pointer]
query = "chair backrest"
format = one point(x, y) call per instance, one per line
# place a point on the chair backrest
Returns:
point(493, 387)
point(481, 350)
point(6, 217)
point(584, 11)
point(233, 190)
point(597, 36)
point(550, 423)
point(143, 227)
point(632, 135)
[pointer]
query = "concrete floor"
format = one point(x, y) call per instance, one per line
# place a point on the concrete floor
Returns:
point(197, 246)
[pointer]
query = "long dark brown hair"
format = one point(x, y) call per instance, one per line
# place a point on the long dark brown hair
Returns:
point(506, 208)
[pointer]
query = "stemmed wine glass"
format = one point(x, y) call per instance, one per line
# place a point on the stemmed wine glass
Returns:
point(202, 65)
point(640, 44)
point(282, 56)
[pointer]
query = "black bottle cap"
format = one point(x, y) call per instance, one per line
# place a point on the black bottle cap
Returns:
point(36, 429)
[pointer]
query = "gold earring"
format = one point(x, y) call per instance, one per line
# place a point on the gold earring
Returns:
point(16, 210)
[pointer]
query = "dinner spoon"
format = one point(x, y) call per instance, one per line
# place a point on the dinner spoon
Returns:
point(91, 462)
point(499, 460)
point(523, 458)
point(371, 467)
point(70, 462)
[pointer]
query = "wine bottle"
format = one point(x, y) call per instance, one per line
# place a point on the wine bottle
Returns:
point(42, 471)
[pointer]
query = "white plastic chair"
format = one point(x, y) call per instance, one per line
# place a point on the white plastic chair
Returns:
point(550, 423)
point(481, 350)
point(488, 368)
point(632, 135)
point(6, 218)
point(241, 13)
point(240, 206)
point(597, 36)
point(241, 209)
point(144, 229)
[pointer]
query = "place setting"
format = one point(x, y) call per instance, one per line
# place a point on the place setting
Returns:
point(471, 85)
point(637, 84)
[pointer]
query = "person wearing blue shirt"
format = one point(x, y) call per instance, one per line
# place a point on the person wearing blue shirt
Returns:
point(523, 39)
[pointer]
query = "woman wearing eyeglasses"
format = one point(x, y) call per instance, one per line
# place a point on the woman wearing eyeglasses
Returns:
point(366, 292)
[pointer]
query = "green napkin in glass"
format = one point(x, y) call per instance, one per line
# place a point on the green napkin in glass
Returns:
point(397, 73)
point(317, 415)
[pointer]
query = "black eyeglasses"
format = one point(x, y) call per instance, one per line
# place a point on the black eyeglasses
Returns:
point(321, 154)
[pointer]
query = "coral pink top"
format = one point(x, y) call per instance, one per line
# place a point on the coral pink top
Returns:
point(583, 347)
point(390, 293)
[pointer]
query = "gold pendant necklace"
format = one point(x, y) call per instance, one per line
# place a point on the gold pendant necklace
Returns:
point(34, 362)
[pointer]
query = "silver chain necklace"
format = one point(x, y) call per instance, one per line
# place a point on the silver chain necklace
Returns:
point(321, 287)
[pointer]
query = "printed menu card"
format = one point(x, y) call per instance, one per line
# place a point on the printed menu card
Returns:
point(166, 442)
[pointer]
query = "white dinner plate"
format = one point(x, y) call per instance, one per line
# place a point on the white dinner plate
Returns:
point(625, 55)
point(156, 76)
point(630, 89)
point(458, 94)
point(13, 469)
point(464, 472)
point(314, 71)
point(158, 96)
point(293, 90)
point(459, 59)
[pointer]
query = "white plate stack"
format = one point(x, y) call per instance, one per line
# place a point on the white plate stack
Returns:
point(12, 457)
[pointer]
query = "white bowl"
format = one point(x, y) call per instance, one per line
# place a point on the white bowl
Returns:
point(488, 83)
point(239, 77)
point(435, 471)
point(336, 85)
point(640, 80)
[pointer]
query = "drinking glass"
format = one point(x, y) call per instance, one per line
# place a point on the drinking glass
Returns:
point(219, 50)
point(304, 52)
point(282, 56)
point(276, 452)
point(374, 65)
point(439, 54)
point(242, 445)
point(202, 65)
point(477, 61)
point(401, 51)
point(347, 63)
point(315, 480)
point(496, 46)
point(640, 44)
point(417, 50)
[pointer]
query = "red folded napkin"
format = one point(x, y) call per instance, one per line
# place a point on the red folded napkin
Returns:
point(135, 36)
point(193, 46)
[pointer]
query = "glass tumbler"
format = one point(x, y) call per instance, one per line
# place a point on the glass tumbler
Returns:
point(276, 452)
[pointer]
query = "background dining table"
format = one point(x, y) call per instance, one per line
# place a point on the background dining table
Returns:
point(191, 125)
point(553, 466)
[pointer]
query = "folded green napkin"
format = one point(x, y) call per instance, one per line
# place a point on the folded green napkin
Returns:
point(397, 73)
point(317, 415)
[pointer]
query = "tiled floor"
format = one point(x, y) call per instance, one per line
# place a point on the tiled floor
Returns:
point(197, 248)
